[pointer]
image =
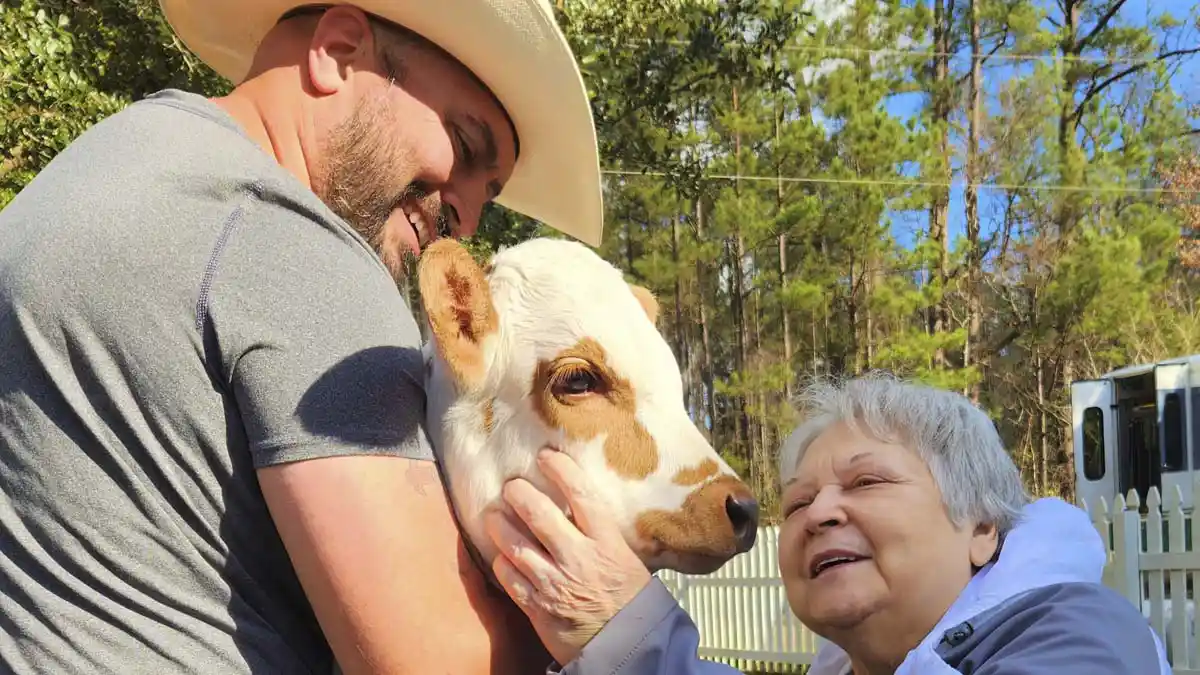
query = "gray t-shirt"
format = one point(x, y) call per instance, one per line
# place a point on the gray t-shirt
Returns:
point(176, 310)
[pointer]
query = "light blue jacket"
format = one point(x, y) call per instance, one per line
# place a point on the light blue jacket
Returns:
point(1044, 589)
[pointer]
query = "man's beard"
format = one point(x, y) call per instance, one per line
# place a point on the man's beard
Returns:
point(365, 176)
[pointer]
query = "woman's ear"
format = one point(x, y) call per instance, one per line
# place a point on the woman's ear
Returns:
point(984, 544)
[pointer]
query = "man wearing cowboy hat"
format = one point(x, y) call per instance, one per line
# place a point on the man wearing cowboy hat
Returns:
point(210, 449)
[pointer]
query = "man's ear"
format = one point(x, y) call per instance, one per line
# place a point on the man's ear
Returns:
point(341, 41)
point(458, 302)
point(646, 298)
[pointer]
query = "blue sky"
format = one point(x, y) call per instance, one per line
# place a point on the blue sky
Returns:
point(1135, 12)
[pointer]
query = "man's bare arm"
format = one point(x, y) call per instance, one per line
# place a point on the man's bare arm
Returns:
point(375, 546)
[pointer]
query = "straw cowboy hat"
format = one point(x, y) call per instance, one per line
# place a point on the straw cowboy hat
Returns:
point(515, 47)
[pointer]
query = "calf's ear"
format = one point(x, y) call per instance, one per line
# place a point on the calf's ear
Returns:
point(646, 299)
point(458, 302)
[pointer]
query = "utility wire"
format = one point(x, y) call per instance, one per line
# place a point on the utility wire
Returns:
point(1014, 56)
point(924, 54)
point(916, 183)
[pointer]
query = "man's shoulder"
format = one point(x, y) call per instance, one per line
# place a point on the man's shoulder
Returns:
point(185, 113)
point(168, 157)
point(174, 172)
point(178, 104)
point(251, 183)
point(181, 149)
point(167, 128)
point(181, 146)
point(1072, 627)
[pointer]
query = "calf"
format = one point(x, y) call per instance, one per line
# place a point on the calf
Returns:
point(549, 346)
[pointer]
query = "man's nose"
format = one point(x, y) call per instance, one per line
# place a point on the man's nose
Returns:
point(462, 216)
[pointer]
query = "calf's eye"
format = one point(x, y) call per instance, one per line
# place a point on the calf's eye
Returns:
point(576, 381)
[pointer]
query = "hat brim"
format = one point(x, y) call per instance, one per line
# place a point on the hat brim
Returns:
point(514, 47)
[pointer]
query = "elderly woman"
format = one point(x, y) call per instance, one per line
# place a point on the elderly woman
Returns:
point(908, 543)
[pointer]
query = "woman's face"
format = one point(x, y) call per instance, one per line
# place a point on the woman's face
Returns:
point(866, 546)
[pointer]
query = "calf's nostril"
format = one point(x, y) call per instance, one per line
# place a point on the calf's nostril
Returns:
point(743, 515)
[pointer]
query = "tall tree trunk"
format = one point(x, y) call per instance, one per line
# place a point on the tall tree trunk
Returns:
point(785, 318)
point(629, 245)
point(760, 395)
point(852, 321)
point(696, 396)
point(738, 400)
point(710, 398)
point(1067, 432)
point(1043, 455)
point(1029, 459)
point(868, 318)
point(737, 255)
point(708, 402)
point(974, 256)
point(1069, 173)
point(939, 206)
point(814, 356)
point(827, 356)
point(681, 352)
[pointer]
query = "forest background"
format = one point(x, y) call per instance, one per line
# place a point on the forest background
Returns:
point(993, 196)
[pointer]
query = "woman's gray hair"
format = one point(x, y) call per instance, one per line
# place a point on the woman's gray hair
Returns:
point(977, 478)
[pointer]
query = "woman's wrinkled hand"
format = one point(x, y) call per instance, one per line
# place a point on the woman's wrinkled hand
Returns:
point(576, 576)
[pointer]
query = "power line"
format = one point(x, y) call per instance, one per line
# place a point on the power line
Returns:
point(1012, 187)
point(929, 54)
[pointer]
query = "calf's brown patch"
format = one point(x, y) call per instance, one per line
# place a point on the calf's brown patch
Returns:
point(609, 406)
point(695, 475)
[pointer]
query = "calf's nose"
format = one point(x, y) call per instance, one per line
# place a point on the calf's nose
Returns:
point(743, 515)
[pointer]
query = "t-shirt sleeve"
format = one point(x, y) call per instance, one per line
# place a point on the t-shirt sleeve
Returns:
point(313, 340)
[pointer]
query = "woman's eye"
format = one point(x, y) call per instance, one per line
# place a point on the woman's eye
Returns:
point(793, 507)
point(864, 481)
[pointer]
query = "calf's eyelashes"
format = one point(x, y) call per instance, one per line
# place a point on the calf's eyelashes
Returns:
point(574, 378)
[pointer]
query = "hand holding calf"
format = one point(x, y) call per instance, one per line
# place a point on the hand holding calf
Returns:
point(577, 575)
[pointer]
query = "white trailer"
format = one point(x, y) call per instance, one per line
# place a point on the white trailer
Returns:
point(1136, 428)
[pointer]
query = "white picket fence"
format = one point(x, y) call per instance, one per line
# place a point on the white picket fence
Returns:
point(1153, 562)
point(742, 612)
point(744, 619)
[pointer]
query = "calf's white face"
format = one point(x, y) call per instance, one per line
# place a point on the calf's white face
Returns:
point(550, 347)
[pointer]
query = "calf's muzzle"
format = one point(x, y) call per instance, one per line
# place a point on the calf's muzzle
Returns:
point(743, 516)
point(716, 522)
